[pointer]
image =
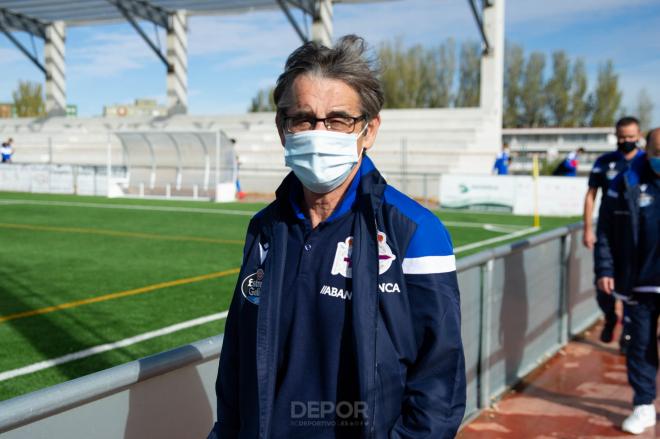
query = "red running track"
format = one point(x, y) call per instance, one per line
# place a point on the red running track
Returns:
point(582, 392)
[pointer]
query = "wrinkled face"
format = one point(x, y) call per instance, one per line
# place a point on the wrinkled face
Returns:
point(317, 97)
point(628, 133)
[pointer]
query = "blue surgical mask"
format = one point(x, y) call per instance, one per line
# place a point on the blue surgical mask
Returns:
point(321, 159)
point(655, 164)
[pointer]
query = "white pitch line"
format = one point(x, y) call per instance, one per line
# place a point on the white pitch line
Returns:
point(129, 206)
point(41, 365)
point(502, 228)
point(496, 239)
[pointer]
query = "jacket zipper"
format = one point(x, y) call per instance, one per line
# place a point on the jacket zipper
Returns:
point(375, 398)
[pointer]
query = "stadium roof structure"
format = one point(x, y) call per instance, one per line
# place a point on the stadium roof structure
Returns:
point(48, 20)
point(85, 12)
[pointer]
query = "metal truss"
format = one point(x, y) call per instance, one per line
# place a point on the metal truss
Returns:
point(133, 10)
point(478, 17)
point(13, 21)
point(310, 7)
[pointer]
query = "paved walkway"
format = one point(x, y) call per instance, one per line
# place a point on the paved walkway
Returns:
point(582, 392)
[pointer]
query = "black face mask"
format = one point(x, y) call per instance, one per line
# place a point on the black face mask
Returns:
point(626, 147)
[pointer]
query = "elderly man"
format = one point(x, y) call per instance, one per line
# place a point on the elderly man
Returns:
point(628, 262)
point(345, 320)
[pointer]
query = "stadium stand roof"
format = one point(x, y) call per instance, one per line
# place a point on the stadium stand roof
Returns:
point(84, 12)
point(49, 19)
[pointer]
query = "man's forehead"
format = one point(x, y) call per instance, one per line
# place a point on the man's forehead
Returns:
point(313, 94)
point(313, 110)
point(630, 129)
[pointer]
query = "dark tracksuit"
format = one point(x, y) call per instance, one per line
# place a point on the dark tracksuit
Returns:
point(365, 306)
point(605, 169)
point(628, 249)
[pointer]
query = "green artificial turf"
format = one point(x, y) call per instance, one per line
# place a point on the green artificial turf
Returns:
point(54, 254)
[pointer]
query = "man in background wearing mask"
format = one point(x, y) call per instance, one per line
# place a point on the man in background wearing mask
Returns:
point(605, 169)
point(345, 321)
point(628, 263)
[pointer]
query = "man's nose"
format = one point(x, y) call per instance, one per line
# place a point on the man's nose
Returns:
point(322, 123)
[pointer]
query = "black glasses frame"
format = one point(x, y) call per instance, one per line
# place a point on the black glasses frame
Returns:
point(316, 120)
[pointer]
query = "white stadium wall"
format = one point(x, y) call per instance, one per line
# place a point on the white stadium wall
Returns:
point(416, 144)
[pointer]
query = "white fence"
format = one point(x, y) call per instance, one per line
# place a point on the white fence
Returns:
point(61, 179)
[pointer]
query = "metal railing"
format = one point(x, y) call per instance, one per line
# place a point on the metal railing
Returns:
point(521, 303)
point(423, 186)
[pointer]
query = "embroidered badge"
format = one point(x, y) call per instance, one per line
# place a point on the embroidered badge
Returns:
point(251, 286)
point(645, 199)
point(612, 172)
point(343, 263)
point(385, 255)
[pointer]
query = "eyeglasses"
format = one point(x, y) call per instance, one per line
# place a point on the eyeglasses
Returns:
point(342, 124)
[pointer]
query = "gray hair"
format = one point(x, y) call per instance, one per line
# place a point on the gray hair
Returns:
point(347, 61)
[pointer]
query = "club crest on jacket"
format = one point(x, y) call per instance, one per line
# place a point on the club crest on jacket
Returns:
point(343, 264)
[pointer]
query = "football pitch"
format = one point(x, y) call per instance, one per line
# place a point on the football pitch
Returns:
point(87, 283)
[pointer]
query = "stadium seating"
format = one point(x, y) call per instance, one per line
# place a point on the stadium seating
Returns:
point(411, 143)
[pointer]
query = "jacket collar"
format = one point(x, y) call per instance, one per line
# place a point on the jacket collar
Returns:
point(367, 186)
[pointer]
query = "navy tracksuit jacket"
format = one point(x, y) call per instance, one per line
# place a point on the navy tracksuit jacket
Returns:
point(605, 169)
point(627, 241)
point(407, 340)
point(628, 249)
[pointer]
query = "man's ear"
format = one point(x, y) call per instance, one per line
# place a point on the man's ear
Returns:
point(279, 125)
point(369, 136)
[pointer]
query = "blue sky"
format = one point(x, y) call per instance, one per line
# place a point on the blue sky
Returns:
point(231, 57)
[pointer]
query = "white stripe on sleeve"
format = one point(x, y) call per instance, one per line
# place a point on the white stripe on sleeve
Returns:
point(429, 264)
point(646, 289)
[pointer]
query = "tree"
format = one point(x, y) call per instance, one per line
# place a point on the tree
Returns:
point(263, 101)
point(644, 109)
point(394, 74)
point(406, 75)
point(557, 90)
point(607, 97)
point(443, 69)
point(28, 99)
point(417, 77)
point(514, 62)
point(469, 75)
point(416, 74)
point(532, 96)
point(579, 111)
